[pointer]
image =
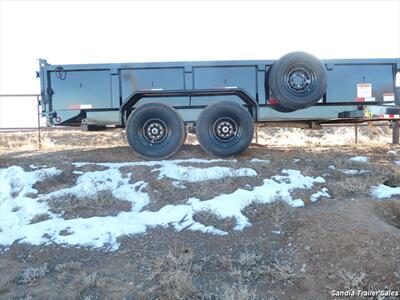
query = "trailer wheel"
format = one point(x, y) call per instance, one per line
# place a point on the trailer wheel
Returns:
point(297, 80)
point(155, 131)
point(225, 128)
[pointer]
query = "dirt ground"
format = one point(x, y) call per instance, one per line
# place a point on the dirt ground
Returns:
point(347, 242)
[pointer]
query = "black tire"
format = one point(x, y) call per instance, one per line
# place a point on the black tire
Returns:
point(225, 128)
point(155, 131)
point(297, 80)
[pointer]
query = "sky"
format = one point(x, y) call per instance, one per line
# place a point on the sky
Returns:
point(134, 31)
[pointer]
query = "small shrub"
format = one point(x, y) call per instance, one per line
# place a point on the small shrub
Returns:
point(32, 275)
point(67, 266)
point(239, 293)
point(353, 280)
point(93, 281)
point(174, 275)
point(283, 271)
point(64, 269)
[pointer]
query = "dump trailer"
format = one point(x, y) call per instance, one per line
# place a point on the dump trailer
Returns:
point(221, 100)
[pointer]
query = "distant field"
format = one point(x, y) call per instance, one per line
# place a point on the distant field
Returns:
point(74, 137)
point(296, 216)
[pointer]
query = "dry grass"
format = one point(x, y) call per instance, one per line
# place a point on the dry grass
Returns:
point(251, 267)
point(163, 192)
point(21, 141)
point(353, 186)
point(93, 281)
point(277, 213)
point(241, 292)
point(59, 139)
point(92, 287)
point(393, 178)
point(208, 189)
point(389, 212)
point(32, 275)
point(173, 275)
point(344, 186)
point(353, 280)
point(40, 218)
point(103, 203)
point(283, 271)
point(325, 136)
point(210, 219)
point(64, 270)
point(74, 138)
point(50, 183)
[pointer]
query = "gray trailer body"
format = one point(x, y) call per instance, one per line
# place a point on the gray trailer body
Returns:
point(104, 94)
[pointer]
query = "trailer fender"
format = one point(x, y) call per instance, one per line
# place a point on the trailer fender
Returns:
point(133, 99)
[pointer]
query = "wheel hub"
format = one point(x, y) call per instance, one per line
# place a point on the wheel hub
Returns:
point(299, 80)
point(154, 131)
point(225, 129)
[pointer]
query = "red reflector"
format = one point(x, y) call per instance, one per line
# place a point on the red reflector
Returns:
point(272, 101)
point(360, 99)
point(391, 116)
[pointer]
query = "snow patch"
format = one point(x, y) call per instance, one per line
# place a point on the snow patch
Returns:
point(153, 163)
point(193, 174)
point(353, 172)
point(360, 159)
point(178, 184)
point(397, 162)
point(348, 171)
point(324, 192)
point(384, 191)
point(393, 152)
point(17, 191)
point(257, 160)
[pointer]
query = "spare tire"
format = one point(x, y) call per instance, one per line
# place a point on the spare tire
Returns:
point(297, 80)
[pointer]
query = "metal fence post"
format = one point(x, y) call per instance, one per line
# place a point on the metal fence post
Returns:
point(356, 134)
point(396, 132)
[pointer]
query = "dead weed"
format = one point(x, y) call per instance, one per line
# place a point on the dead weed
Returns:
point(32, 275)
point(174, 276)
point(103, 203)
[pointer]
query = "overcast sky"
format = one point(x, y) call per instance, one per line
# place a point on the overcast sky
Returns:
point(133, 31)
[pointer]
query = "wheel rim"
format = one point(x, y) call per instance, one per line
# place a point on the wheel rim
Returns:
point(153, 131)
point(226, 130)
point(300, 80)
